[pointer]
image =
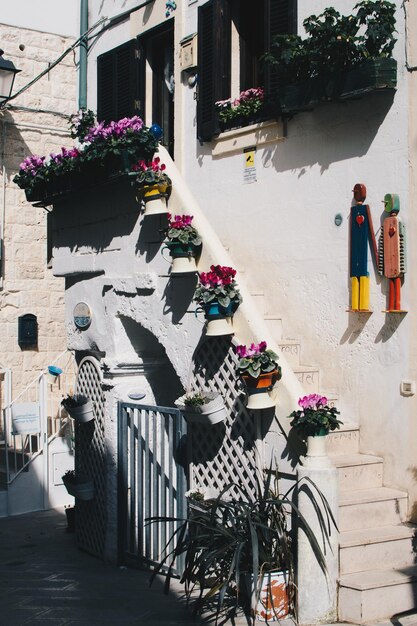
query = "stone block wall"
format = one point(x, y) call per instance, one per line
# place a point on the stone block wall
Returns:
point(36, 122)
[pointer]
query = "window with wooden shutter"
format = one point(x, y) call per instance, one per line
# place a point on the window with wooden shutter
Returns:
point(118, 83)
point(280, 19)
point(214, 60)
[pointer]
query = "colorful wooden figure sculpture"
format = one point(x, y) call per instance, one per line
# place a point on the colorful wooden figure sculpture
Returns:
point(392, 248)
point(361, 231)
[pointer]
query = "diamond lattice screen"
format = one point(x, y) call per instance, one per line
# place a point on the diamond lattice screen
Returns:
point(90, 460)
point(228, 451)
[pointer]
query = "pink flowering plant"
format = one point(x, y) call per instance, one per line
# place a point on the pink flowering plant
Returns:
point(180, 230)
point(249, 103)
point(218, 285)
point(151, 173)
point(314, 416)
point(127, 138)
point(257, 359)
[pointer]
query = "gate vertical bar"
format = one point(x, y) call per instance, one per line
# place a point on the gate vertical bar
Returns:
point(122, 425)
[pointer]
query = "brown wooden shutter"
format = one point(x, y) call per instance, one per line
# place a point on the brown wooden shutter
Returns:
point(214, 61)
point(280, 19)
point(117, 83)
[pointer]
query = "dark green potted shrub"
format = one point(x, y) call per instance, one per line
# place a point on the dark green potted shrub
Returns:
point(233, 543)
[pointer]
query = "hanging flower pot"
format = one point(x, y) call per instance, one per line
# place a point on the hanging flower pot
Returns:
point(80, 487)
point(258, 389)
point(183, 243)
point(79, 408)
point(202, 408)
point(219, 318)
point(260, 371)
point(152, 179)
point(54, 373)
point(219, 297)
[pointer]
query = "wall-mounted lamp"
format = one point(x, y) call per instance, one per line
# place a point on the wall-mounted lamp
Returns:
point(7, 76)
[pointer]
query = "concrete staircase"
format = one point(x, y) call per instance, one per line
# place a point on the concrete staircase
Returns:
point(377, 555)
point(377, 548)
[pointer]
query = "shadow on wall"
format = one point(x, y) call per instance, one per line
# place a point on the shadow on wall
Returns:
point(333, 132)
point(159, 371)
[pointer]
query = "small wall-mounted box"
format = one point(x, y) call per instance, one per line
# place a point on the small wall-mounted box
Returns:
point(188, 53)
point(27, 331)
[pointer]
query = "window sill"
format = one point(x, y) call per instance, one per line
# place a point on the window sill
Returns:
point(254, 135)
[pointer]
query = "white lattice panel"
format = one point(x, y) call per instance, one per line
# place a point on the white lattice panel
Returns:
point(229, 451)
point(90, 460)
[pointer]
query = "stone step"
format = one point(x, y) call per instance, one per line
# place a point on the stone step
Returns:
point(369, 508)
point(274, 324)
point(377, 594)
point(308, 377)
point(291, 349)
point(260, 301)
point(344, 440)
point(373, 548)
point(358, 469)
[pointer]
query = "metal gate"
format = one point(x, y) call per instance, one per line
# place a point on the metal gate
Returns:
point(152, 480)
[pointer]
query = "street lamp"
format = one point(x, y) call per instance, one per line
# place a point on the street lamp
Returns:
point(7, 76)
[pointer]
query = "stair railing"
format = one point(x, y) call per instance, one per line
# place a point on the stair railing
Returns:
point(22, 449)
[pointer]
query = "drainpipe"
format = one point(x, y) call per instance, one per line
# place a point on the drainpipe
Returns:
point(82, 78)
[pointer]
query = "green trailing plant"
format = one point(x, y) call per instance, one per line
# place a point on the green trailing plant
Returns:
point(315, 416)
point(232, 539)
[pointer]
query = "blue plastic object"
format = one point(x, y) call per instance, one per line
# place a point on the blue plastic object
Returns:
point(156, 131)
point(55, 371)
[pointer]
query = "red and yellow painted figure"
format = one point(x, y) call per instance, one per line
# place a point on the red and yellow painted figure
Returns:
point(361, 232)
point(392, 248)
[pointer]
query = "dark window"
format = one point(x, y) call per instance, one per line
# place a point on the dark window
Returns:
point(256, 24)
point(118, 73)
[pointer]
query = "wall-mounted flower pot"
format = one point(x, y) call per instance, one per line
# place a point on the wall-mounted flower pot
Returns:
point(82, 412)
point(219, 318)
point(80, 487)
point(155, 200)
point(183, 257)
point(213, 411)
point(259, 390)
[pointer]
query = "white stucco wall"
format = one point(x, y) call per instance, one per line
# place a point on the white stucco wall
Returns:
point(281, 230)
point(49, 16)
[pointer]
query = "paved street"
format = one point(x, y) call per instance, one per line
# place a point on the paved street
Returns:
point(45, 579)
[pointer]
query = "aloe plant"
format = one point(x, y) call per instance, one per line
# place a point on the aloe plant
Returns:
point(232, 539)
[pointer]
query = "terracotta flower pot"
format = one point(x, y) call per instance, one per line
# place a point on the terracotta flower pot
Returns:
point(258, 390)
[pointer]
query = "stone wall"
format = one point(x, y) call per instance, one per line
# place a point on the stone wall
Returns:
point(36, 122)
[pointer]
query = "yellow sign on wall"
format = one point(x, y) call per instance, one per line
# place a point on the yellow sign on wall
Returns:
point(249, 170)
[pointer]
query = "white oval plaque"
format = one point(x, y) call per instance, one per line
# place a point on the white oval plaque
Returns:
point(82, 315)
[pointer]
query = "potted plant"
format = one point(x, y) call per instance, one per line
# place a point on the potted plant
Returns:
point(78, 486)
point(314, 421)
point(219, 297)
point(202, 407)
point(260, 371)
point(343, 56)
point(79, 407)
point(183, 243)
point(241, 111)
point(103, 150)
point(238, 547)
point(151, 178)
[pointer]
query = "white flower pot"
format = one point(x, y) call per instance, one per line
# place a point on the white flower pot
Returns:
point(212, 412)
point(273, 604)
point(183, 265)
point(216, 328)
point(316, 452)
point(262, 400)
point(81, 413)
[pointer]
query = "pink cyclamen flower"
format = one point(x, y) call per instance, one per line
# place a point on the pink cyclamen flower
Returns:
point(312, 401)
point(241, 351)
